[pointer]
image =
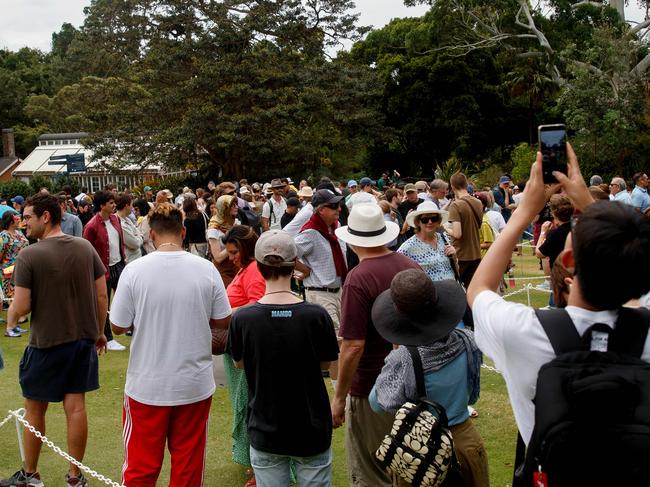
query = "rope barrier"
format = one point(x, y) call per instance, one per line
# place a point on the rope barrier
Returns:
point(47, 442)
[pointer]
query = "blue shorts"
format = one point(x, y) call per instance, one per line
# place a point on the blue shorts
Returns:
point(48, 374)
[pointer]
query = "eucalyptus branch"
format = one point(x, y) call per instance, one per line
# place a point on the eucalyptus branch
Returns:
point(530, 25)
point(638, 27)
point(641, 67)
point(586, 2)
point(480, 44)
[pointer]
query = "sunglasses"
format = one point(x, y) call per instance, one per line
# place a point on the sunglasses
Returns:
point(429, 219)
point(332, 206)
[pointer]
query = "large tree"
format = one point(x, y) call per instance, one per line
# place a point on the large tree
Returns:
point(438, 105)
point(598, 62)
point(245, 87)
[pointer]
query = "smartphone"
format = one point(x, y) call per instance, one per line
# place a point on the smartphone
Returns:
point(552, 145)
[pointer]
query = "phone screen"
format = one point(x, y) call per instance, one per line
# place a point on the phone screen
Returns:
point(552, 144)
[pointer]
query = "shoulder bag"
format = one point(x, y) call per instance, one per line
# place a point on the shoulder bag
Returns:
point(420, 447)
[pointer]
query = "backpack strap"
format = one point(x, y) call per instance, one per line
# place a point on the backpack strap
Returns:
point(631, 330)
point(479, 217)
point(419, 372)
point(560, 330)
point(518, 479)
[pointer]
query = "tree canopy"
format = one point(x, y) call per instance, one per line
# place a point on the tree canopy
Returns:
point(251, 88)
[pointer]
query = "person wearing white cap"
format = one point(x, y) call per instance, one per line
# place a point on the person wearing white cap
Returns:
point(362, 348)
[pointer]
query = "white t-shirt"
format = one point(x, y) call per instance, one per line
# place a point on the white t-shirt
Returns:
point(170, 298)
point(279, 207)
point(114, 254)
point(294, 226)
point(497, 223)
point(360, 198)
point(512, 336)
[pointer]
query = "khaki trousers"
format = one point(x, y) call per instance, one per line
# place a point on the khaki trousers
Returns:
point(364, 431)
point(330, 301)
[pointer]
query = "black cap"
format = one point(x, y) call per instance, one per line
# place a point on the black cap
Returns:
point(293, 202)
point(324, 196)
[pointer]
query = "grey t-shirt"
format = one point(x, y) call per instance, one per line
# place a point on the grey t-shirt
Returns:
point(61, 274)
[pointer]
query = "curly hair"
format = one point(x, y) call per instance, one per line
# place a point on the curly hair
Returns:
point(561, 207)
point(166, 218)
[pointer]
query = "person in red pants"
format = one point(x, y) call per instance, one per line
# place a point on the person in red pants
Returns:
point(170, 299)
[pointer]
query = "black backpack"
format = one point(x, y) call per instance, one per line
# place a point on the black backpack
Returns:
point(592, 408)
point(248, 217)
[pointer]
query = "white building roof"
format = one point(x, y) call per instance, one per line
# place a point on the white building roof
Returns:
point(36, 163)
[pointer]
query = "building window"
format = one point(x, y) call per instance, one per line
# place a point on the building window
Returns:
point(121, 183)
point(94, 184)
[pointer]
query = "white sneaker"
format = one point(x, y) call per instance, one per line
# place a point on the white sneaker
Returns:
point(116, 347)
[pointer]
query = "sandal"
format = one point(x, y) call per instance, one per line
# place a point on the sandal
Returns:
point(250, 482)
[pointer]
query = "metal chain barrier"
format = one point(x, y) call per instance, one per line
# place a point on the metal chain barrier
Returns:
point(491, 369)
point(57, 450)
point(6, 420)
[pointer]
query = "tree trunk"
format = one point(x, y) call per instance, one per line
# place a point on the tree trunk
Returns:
point(619, 6)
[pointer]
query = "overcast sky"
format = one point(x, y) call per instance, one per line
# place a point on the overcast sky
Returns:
point(31, 22)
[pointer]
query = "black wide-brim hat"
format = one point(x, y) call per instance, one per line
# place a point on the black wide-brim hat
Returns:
point(424, 324)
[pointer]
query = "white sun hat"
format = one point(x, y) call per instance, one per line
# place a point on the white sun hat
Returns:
point(367, 228)
point(427, 208)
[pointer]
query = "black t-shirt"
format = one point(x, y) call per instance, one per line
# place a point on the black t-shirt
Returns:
point(286, 219)
point(403, 209)
point(195, 227)
point(554, 243)
point(282, 347)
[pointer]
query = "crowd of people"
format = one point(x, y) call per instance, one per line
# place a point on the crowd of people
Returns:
point(292, 284)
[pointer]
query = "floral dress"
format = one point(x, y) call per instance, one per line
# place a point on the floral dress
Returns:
point(433, 261)
point(10, 245)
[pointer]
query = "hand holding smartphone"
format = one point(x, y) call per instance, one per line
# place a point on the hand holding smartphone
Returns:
point(552, 145)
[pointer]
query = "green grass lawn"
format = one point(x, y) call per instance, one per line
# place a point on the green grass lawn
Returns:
point(104, 452)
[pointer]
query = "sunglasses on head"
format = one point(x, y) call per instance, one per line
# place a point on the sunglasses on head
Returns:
point(429, 219)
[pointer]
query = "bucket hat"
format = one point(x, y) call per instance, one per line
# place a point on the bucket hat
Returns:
point(417, 311)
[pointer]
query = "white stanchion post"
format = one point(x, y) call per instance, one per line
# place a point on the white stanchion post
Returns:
point(19, 434)
point(528, 293)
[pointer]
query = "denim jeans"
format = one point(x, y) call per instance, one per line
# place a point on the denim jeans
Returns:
point(273, 470)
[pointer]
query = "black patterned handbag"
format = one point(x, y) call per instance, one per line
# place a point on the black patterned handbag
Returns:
point(420, 447)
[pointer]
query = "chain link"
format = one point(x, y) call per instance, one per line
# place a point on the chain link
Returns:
point(491, 369)
point(6, 420)
point(58, 450)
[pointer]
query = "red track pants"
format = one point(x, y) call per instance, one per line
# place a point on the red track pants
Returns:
point(147, 429)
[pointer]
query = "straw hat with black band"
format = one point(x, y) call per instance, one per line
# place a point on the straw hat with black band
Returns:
point(427, 208)
point(417, 311)
point(367, 228)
